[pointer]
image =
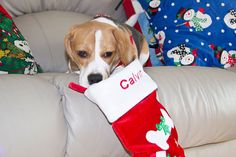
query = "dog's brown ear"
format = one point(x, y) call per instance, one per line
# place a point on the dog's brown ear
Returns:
point(125, 45)
point(68, 39)
point(68, 49)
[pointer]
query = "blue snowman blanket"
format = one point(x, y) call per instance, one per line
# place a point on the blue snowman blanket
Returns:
point(194, 32)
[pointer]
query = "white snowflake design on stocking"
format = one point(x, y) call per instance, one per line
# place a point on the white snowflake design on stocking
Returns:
point(162, 134)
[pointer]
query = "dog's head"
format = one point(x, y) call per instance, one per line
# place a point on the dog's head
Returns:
point(97, 47)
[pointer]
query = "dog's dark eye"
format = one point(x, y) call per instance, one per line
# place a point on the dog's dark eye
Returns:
point(107, 54)
point(82, 54)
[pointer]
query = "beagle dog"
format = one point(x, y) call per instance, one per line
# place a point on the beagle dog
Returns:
point(96, 48)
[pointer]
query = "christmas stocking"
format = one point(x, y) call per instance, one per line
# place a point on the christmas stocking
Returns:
point(128, 99)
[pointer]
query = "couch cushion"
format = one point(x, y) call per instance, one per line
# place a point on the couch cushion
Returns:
point(221, 149)
point(200, 100)
point(89, 7)
point(89, 133)
point(45, 32)
point(31, 118)
point(233, 69)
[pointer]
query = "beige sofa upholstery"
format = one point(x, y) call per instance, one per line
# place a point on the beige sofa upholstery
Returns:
point(41, 117)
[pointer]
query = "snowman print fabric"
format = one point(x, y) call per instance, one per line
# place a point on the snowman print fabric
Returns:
point(15, 54)
point(195, 32)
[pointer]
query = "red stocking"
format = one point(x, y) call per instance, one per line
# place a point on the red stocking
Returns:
point(128, 99)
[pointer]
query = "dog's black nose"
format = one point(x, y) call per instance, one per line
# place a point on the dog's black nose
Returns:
point(94, 78)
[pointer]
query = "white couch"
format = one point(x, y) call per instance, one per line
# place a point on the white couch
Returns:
point(41, 117)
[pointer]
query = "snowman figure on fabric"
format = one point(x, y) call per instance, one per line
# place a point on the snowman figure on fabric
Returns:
point(182, 55)
point(230, 19)
point(140, 122)
point(157, 42)
point(197, 20)
point(31, 68)
point(23, 45)
point(226, 58)
point(153, 6)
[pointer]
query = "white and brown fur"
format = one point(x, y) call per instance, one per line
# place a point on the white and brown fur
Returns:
point(96, 47)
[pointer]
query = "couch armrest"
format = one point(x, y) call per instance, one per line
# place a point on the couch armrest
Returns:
point(200, 100)
point(31, 117)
